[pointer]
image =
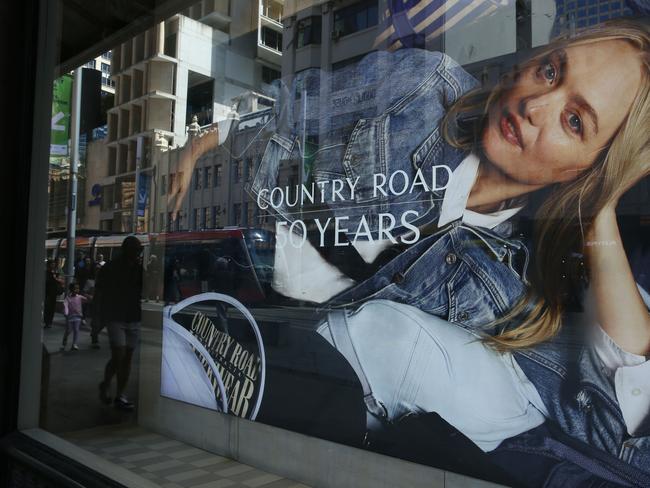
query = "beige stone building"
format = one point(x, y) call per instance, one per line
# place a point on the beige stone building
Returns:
point(193, 64)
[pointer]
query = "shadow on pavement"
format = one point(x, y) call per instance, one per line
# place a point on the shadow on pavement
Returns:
point(70, 399)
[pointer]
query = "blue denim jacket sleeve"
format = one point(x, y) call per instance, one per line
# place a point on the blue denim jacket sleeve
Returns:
point(546, 456)
point(581, 398)
point(379, 116)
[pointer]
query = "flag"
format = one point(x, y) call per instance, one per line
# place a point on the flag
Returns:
point(412, 23)
point(143, 193)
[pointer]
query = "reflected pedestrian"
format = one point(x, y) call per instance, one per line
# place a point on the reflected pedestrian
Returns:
point(119, 286)
point(53, 287)
point(85, 273)
point(97, 322)
point(153, 278)
point(73, 311)
point(172, 289)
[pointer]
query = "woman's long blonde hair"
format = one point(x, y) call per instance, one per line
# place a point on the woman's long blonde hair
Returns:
point(567, 214)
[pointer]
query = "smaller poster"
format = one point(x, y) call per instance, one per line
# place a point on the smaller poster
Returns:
point(213, 355)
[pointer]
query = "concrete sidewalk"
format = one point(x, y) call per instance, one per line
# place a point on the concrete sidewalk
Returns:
point(168, 463)
point(71, 378)
point(72, 410)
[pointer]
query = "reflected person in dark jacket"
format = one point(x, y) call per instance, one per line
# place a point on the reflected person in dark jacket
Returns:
point(119, 285)
point(53, 287)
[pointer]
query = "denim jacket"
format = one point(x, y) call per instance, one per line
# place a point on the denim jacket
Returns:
point(383, 115)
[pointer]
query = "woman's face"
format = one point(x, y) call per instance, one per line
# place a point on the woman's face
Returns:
point(561, 112)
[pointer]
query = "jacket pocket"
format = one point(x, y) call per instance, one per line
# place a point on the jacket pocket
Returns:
point(278, 149)
point(364, 158)
point(428, 151)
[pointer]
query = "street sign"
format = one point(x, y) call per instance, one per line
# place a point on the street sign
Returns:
point(143, 193)
point(61, 105)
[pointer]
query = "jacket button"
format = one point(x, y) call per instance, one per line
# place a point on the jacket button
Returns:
point(463, 316)
point(398, 278)
point(451, 258)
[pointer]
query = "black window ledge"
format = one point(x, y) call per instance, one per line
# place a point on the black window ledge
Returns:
point(60, 470)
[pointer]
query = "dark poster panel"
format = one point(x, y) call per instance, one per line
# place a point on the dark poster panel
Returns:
point(91, 93)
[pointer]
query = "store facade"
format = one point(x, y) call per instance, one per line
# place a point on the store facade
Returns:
point(350, 243)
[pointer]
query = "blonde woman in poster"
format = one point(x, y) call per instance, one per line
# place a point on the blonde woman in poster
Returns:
point(572, 122)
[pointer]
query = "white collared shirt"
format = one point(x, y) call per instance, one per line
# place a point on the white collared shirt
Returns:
point(454, 204)
point(629, 372)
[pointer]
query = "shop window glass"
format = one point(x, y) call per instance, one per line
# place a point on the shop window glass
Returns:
point(393, 224)
point(197, 179)
point(207, 177)
point(269, 75)
point(237, 170)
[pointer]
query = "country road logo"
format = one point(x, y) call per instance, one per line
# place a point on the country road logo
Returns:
point(213, 355)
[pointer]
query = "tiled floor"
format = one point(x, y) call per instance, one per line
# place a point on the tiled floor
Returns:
point(170, 463)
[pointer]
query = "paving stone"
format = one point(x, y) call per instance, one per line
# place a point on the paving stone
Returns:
point(215, 484)
point(211, 461)
point(265, 479)
point(172, 463)
point(187, 475)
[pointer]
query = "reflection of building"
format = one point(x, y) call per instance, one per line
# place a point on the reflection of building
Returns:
point(103, 64)
point(329, 34)
point(572, 14)
point(96, 96)
point(325, 35)
point(193, 64)
point(217, 195)
point(96, 197)
point(482, 36)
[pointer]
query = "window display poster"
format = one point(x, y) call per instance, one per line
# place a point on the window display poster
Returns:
point(457, 276)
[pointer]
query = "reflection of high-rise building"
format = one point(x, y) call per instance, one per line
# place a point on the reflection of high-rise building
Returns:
point(193, 64)
point(102, 63)
point(324, 36)
point(572, 14)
